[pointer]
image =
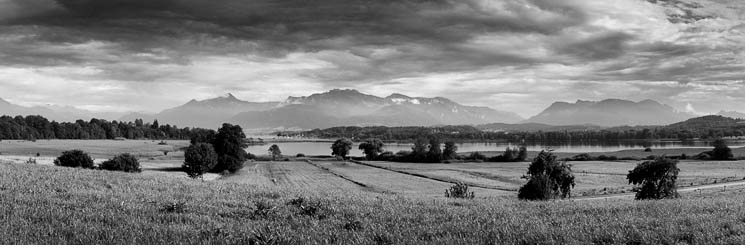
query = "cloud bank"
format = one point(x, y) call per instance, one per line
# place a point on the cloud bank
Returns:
point(519, 55)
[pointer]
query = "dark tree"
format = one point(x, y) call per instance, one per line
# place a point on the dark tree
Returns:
point(74, 158)
point(721, 151)
point(656, 178)
point(341, 147)
point(449, 150)
point(229, 145)
point(548, 178)
point(122, 162)
point(199, 159)
point(371, 148)
point(274, 151)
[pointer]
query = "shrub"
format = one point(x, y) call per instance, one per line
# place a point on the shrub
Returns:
point(199, 159)
point(300, 155)
point(122, 162)
point(74, 158)
point(548, 178)
point(249, 156)
point(459, 190)
point(657, 178)
point(582, 157)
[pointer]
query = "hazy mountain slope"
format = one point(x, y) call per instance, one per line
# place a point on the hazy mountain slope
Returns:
point(208, 113)
point(54, 112)
point(533, 127)
point(610, 112)
point(731, 114)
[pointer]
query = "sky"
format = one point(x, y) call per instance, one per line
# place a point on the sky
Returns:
point(515, 55)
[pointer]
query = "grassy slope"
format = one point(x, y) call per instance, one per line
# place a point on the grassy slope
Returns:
point(56, 205)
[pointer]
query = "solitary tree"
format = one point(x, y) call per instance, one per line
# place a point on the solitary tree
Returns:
point(371, 148)
point(341, 147)
point(229, 144)
point(449, 150)
point(548, 178)
point(657, 178)
point(721, 151)
point(199, 159)
point(274, 151)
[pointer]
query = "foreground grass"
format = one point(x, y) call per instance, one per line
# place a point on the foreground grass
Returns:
point(55, 205)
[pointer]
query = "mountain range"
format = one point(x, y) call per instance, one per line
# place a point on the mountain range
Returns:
point(347, 107)
point(609, 113)
point(55, 112)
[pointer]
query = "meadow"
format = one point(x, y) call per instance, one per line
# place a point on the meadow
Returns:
point(339, 202)
point(56, 205)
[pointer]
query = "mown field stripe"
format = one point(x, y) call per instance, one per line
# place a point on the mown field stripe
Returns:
point(433, 178)
point(337, 174)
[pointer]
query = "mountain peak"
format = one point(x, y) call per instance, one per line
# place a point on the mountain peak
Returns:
point(230, 96)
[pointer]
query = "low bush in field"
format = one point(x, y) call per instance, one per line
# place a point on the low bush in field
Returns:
point(199, 159)
point(74, 158)
point(123, 162)
point(459, 190)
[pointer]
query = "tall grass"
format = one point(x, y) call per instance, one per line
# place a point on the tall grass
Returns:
point(52, 205)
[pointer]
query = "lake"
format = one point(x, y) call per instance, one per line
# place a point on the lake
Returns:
point(324, 148)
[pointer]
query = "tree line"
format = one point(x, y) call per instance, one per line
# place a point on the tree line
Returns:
point(35, 127)
point(702, 128)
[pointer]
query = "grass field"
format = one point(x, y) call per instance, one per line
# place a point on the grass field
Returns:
point(57, 205)
point(346, 203)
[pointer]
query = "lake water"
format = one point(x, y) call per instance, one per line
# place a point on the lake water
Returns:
point(324, 148)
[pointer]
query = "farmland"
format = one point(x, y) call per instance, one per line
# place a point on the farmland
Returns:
point(354, 203)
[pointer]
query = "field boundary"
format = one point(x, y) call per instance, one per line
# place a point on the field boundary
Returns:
point(432, 178)
point(688, 188)
point(339, 175)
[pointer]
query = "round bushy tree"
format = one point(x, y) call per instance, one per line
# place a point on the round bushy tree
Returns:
point(341, 147)
point(199, 159)
point(74, 158)
point(371, 148)
point(122, 162)
point(229, 144)
point(656, 178)
point(274, 151)
point(548, 178)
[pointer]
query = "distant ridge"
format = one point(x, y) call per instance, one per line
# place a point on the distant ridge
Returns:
point(348, 107)
point(609, 112)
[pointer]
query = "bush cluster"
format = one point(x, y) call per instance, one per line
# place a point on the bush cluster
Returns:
point(459, 190)
point(123, 162)
point(74, 158)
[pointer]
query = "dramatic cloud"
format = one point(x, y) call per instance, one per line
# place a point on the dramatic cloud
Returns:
point(518, 55)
